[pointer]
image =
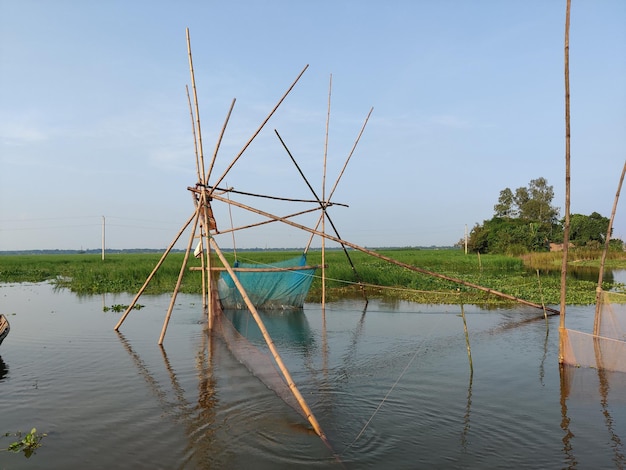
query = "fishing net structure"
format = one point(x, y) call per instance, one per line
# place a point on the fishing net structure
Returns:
point(283, 285)
point(605, 347)
point(258, 362)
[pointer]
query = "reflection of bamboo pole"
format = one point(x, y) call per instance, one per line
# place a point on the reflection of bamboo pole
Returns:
point(270, 343)
point(565, 419)
point(545, 314)
point(386, 258)
point(467, 342)
point(156, 268)
point(180, 277)
point(607, 241)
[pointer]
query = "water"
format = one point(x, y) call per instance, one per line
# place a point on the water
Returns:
point(390, 386)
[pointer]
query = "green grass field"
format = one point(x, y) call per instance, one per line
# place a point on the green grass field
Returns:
point(89, 274)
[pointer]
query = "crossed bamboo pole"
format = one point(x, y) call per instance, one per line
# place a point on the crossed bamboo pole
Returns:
point(385, 258)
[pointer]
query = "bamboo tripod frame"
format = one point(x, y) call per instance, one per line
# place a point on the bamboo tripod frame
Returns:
point(202, 219)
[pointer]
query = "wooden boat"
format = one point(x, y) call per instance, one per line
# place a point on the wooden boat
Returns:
point(4, 327)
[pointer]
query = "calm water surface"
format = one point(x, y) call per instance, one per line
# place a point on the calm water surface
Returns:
point(391, 387)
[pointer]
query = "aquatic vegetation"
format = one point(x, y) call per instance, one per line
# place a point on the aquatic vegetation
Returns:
point(87, 274)
point(27, 444)
point(120, 307)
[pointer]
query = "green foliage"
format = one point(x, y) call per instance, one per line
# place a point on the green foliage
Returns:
point(86, 274)
point(532, 203)
point(588, 230)
point(525, 221)
point(27, 444)
point(121, 307)
point(510, 236)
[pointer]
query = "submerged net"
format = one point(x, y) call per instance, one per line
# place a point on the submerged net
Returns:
point(258, 362)
point(606, 348)
point(282, 285)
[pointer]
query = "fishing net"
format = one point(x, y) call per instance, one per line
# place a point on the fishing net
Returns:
point(282, 285)
point(258, 362)
point(605, 348)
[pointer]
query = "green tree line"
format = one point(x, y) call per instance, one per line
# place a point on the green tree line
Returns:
point(525, 220)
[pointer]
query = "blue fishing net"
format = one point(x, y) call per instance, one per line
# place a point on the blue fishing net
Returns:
point(283, 289)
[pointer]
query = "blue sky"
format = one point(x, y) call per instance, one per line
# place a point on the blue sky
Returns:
point(468, 99)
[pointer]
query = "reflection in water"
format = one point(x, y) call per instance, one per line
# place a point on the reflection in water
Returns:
point(197, 419)
point(4, 369)
point(466, 417)
point(542, 369)
point(239, 333)
point(564, 370)
point(616, 443)
point(290, 327)
point(575, 387)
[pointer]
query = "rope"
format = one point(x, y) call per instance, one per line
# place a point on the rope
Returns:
point(386, 396)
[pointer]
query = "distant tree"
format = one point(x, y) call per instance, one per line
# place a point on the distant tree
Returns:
point(588, 230)
point(533, 203)
point(510, 236)
point(524, 220)
point(504, 208)
point(538, 205)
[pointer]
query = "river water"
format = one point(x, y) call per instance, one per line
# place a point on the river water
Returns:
point(390, 385)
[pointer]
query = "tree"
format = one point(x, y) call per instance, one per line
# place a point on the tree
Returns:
point(504, 207)
point(538, 206)
point(533, 203)
point(586, 230)
point(524, 220)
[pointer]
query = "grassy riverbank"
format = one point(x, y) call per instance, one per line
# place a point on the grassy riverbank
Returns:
point(533, 278)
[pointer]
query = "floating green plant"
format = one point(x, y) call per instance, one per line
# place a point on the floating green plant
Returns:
point(27, 444)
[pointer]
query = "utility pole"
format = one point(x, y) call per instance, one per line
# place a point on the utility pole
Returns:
point(103, 224)
point(465, 238)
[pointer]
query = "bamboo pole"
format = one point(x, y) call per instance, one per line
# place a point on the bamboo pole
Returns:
point(323, 214)
point(265, 196)
point(323, 217)
point(156, 268)
point(195, 139)
point(247, 144)
point(566, 226)
point(180, 277)
point(197, 108)
point(607, 241)
point(356, 142)
point(207, 229)
point(219, 142)
point(270, 343)
point(386, 258)
point(259, 270)
point(343, 169)
point(205, 272)
point(264, 222)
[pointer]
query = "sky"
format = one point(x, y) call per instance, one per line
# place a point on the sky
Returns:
point(467, 98)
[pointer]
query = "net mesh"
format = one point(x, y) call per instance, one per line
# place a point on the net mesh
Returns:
point(606, 349)
point(258, 362)
point(268, 289)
